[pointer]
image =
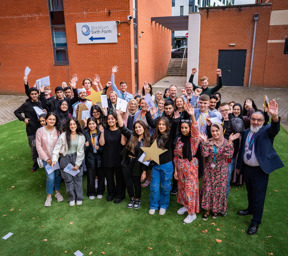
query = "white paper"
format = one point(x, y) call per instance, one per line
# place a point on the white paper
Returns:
point(141, 160)
point(149, 101)
point(104, 101)
point(27, 71)
point(7, 236)
point(215, 120)
point(121, 105)
point(45, 81)
point(85, 114)
point(39, 111)
point(68, 169)
point(78, 253)
point(50, 169)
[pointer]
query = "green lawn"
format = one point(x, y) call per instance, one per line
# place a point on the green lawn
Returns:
point(103, 227)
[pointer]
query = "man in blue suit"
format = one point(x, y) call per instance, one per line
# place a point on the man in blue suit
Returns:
point(258, 158)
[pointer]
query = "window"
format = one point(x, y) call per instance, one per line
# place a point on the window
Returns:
point(181, 10)
point(286, 46)
point(58, 32)
point(173, 3)
point(191, 8)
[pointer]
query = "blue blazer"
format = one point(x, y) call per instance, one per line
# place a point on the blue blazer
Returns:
point(265, 153)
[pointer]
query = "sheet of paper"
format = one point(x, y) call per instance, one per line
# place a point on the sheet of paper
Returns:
point(149, 101)
point(121, 105)
point(27, 71)
point(215, 120)
point(45, 81)
point(104, 101)
point(141, 160)
point(85, 114)
point(50, 169)
point(78, 253)
point(39, 111)
point(68, 169)
point(7, 236)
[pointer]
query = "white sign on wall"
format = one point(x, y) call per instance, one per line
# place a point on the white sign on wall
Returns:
point(96, 32)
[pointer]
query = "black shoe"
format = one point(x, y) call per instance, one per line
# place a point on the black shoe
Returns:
point(174, 192)
point(137, 204)
point(214, 215)
point(118, 200)
point(110, 198)
point(244, 212)
point(252, 229)
point(205, 216)
point(131, 203)
point(223, 214)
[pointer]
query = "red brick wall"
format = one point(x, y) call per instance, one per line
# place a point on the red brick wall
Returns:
point(222, 26)
point(155, 43)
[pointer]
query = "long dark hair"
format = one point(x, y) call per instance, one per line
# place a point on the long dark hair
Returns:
point(114, 115)
point(132, 143)
point(151, 92)
point(89, 120)
point(241, 110)
point(57, 124)
point(161, 138)
point(68, 131)
point(253, 106)
point(96, 107)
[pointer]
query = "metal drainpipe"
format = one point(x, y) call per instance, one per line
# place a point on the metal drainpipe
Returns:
point(256, 18)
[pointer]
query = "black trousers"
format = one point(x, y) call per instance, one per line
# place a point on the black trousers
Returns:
point(256, 183)
point(133, 183)
point(91, 174)
point(34, 154)
point(115, 190)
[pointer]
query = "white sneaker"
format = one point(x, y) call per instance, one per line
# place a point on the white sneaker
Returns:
point(182, 210)
point(59, 197)
point(48, 201)
point(79, 202)
point(91, 197)
point(162, 211)
point(190, 218)
point(152, 211)
point(72, 203)
point(99, 196)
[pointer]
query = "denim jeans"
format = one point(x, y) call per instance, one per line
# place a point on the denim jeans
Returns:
point(54, 177)
point(160, 186)
point(230, 171)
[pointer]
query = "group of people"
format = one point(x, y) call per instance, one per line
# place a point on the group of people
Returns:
point(198, 134)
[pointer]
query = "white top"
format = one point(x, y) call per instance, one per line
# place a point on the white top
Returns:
point(253, 160)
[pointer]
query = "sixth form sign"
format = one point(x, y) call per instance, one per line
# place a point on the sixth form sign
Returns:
point(96, 32)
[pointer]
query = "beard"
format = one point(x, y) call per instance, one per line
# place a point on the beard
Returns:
point(255, 129)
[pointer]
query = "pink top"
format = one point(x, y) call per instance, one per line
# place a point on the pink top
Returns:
point(45, 142)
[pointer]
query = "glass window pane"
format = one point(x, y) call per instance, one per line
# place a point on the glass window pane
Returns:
point(56, 5)
point(57, 18)
point(61, 55)
point(59, 37)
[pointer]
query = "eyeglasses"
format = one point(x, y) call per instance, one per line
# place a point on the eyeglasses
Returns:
point(224, 110)
point(258, 120)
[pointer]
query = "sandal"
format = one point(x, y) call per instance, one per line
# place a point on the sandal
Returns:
point(145, 184)
point(214, 215)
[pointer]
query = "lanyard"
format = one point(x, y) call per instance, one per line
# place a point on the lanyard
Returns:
point(93, 139)
point(215, 153)
point(250, 143)
point(203, 120)
point(223, 127)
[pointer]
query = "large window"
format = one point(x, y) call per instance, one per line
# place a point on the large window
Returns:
point(173, 3)
point(58, 31)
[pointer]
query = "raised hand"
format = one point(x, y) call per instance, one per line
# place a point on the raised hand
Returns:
point(74, 81)
point(25, 78)
point(194, 70)
point(101, 129)
point(145, 86)
point(273, 108)
point(183, 91)
point(41, 89)
point(198, 91)
point(233, 137)
point(219, 72)
point(108, 84)
point(97, 79)
point(248, 104)
point(153, 111)
point(190, 110)
point(114, 69)
point(203, 137)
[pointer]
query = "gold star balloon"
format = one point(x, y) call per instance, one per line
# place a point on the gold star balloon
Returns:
point(94, 96)
point(153, 152)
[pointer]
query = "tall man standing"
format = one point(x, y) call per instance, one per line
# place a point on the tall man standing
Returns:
point(258, 159)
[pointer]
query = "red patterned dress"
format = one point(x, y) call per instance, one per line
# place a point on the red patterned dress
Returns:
point(214, 183)
point(188, 187)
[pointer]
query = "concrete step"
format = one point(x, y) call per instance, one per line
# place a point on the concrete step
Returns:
point(177, 67)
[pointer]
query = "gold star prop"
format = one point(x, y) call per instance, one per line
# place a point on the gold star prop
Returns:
point(81, 107)
point(94, 96)
point(153, 152)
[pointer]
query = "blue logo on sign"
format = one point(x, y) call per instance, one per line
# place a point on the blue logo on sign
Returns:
point(85, 30)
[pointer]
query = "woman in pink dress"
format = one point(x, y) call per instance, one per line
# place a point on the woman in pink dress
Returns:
point(186, 167)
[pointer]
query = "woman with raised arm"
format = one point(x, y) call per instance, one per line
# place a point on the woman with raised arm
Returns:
point(46, 139)
point(133, 170)
point(71, 146)
point(112, 142)
point(217, 151)
point(186, 167)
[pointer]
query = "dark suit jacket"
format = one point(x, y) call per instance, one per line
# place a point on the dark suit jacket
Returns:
point(265, 153)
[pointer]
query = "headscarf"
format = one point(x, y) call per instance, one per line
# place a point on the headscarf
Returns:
point(62, 115)
point(241, 110)
point(219, 142)
point(186, 149)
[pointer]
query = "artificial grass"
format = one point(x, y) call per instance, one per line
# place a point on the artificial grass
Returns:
point(99, 227)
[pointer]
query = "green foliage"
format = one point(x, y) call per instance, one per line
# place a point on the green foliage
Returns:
point(100, 226)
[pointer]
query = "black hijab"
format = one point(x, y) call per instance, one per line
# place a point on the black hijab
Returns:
point(241, 110)
point(62, 115)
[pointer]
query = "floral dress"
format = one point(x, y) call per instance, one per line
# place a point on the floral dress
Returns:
point(188, 188)
point(215, 178)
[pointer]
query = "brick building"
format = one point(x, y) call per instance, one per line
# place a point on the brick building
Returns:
point(223, 37)
point(42, 35)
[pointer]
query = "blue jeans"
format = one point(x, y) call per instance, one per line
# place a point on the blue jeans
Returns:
point(54, 177)
point(161, 175)
point(230, 171)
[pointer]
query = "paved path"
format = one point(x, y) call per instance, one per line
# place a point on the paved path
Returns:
point(10, 102)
